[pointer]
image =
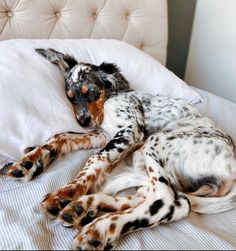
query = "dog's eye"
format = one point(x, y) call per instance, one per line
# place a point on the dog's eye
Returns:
point(93, 95)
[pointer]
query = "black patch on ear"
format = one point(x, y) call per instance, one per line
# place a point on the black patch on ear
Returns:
point(108, 68)
point(63, 61)
point(70, 61)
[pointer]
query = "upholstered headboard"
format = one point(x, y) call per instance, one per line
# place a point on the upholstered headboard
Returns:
point(142, 23)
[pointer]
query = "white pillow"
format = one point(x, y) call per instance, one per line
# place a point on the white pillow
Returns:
point(33, 103)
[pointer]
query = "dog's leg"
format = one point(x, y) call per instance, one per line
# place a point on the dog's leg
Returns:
point(36, 160)
point(94, 172)
point(83, 211)
point(162, 204)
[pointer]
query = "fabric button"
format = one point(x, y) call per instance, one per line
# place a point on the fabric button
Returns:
point(141, 46)
point(10, 13)
point(94, 14)
point(58, 14)
point(127, 15)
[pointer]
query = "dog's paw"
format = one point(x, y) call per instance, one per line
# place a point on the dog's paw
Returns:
point(54, 202)
point(101, 234)
point(32, 164)
point(78, 213)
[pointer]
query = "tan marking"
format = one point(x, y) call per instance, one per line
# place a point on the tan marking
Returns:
point(35, 156)
point(90, 201)
point(84, 89)
point(91, 178)
point(112, 228)
point(125, 206)
point(106, 206)
point(155, 178)
point(114, 218)
point(150, 169)
point(81, 174)
point(96, 109)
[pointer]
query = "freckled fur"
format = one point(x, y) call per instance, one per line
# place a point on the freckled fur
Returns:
point(185, 162)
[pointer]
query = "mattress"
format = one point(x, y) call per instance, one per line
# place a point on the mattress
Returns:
point(22, 226)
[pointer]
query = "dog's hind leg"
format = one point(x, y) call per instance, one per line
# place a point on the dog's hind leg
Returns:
point(161, 204)
point(35, 161)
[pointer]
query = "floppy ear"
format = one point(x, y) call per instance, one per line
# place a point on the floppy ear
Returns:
point(106, 70)
point(63, 61)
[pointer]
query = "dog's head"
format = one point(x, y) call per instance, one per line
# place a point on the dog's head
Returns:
point(88, 86)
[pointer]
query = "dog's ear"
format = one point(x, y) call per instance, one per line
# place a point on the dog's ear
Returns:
point(63, 61)
point(106, 71)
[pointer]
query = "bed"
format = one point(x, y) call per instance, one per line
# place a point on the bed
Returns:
point(132, 33)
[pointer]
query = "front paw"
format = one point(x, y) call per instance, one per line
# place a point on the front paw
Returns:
point(54, 202)
point(32, 164)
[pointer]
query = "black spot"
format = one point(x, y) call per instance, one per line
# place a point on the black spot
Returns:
point(27, 164)
point(120, 150)
point(156, 206)
point(132, 225)
point(118, 139)
point(161, 162)
point(87, 219)
point(107, 210)
point(39, 170)
point(52, 154)
point(171, 138)
point(164, 180)
point(169, 215)
point(177, 203)
point(5, 168)
point(29, 149)
point(108, 246)
point(64, 202)
point(17, 173)
point(75, 132)
point(67, 217)
point(53, 210)
point(78, 210)
point(94, 243)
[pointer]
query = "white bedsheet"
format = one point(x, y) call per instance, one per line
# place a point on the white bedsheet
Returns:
point(23, 227)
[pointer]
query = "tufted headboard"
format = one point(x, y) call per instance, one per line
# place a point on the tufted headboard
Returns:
point(142, 23)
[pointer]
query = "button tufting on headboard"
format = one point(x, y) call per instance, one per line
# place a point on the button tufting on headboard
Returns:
point(10, 13)
point(58, 14)
point(137, 22)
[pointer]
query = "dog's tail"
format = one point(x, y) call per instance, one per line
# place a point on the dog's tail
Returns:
point(203, 205)
point(212, 205)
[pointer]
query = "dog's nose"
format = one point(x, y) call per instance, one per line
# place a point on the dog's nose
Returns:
point(84, 121)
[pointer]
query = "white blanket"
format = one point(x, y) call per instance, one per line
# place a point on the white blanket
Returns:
point(23, 227)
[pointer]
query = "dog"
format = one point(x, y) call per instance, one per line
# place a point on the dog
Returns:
point(181, 161)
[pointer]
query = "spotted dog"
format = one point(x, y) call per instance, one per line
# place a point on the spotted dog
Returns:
point(181, 160)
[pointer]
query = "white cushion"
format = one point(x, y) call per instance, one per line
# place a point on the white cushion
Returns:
point(33, 103)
